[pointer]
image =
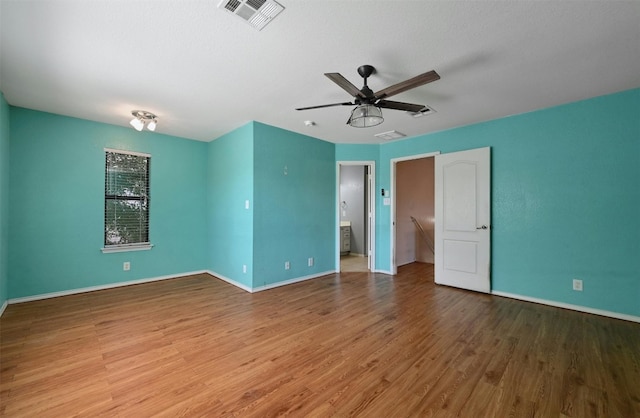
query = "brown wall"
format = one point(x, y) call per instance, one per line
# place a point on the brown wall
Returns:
point(414, 197)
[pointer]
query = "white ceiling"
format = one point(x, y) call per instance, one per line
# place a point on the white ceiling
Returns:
point(205, 72)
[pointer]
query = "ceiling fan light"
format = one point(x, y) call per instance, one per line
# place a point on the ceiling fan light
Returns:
point(137, 124)
point(365, 116)
point(152, 125)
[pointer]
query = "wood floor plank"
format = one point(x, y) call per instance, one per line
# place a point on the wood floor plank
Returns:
point(349, 344)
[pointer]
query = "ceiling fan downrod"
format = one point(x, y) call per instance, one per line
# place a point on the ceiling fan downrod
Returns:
point(365, 71)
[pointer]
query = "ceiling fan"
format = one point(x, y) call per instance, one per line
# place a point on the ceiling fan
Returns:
point(368, 104)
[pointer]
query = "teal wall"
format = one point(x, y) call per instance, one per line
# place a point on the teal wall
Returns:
point(230, 185)
point(565, 198)
point(57, 204)
point(4, 200)
point(294, 205)
point(565, 194)
point(198, 216)
point(357, 152)
point(248, 164)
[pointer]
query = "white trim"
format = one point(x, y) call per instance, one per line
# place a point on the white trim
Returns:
point(291, 281)
point(578, 308)
point(414, 157)
point(357, 254)
point(392, 210)
point(269, 286)
point(101, 287)
point(125, 248)
point(384, 272)
point(563, 305)
point(230, 281)
point(120, 151)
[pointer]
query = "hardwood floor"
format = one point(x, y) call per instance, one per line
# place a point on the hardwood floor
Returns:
point(350, 344)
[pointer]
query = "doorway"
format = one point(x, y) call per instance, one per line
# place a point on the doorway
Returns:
point(413, 210)
point(462, 217)
point(355, 215)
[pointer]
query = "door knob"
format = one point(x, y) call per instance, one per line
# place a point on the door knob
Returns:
point(483, 227)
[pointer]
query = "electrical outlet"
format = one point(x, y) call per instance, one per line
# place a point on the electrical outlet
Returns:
point(310, 262)
point(126, 266)
point(287, 265)
point(577, 285)
point(244, 268)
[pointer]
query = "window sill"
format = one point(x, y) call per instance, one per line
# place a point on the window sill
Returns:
point(125, 248)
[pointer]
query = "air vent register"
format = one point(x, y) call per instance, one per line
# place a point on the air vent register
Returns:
point(257, 13)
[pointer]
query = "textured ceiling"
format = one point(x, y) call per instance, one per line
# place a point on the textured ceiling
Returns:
point(205, 72)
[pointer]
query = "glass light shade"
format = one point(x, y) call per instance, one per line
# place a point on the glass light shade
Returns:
point(137, 124)
point(152, 125)
point(365, 116)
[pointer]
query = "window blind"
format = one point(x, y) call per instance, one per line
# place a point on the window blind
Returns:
point(126, 203)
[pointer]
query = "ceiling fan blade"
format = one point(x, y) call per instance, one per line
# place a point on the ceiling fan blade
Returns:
point(327, 105)
point(409, 107)
point(416, 81)
point(345, 84)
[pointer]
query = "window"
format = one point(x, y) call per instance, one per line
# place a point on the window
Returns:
point(126, 201)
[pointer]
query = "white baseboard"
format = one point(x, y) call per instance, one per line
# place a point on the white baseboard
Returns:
point(155, 279)
point(269, 286)
point(230, 281)
point(100, 287)
point(291, 281)
point(578, 308)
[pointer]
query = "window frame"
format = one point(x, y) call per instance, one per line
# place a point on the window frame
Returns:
point(137, 246)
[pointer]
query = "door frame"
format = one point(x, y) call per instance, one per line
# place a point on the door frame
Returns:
point(392, 215)
point(371, 187)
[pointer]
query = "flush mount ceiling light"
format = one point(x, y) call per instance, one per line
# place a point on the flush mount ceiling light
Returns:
point(142, 118)
point(365, 116)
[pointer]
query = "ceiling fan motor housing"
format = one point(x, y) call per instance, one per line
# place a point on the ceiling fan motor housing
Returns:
point(365, 71)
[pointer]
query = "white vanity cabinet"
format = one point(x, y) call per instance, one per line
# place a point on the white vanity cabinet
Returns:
point(345, 240)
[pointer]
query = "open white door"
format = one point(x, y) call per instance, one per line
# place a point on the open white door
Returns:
point(462, 219)
point(370, 202)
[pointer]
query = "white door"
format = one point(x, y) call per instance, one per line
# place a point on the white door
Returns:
point(370, 194)
point(462, 224)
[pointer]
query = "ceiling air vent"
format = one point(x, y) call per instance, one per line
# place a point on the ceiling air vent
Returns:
point(255, 12)
point(422, 112)
point(390, 135)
